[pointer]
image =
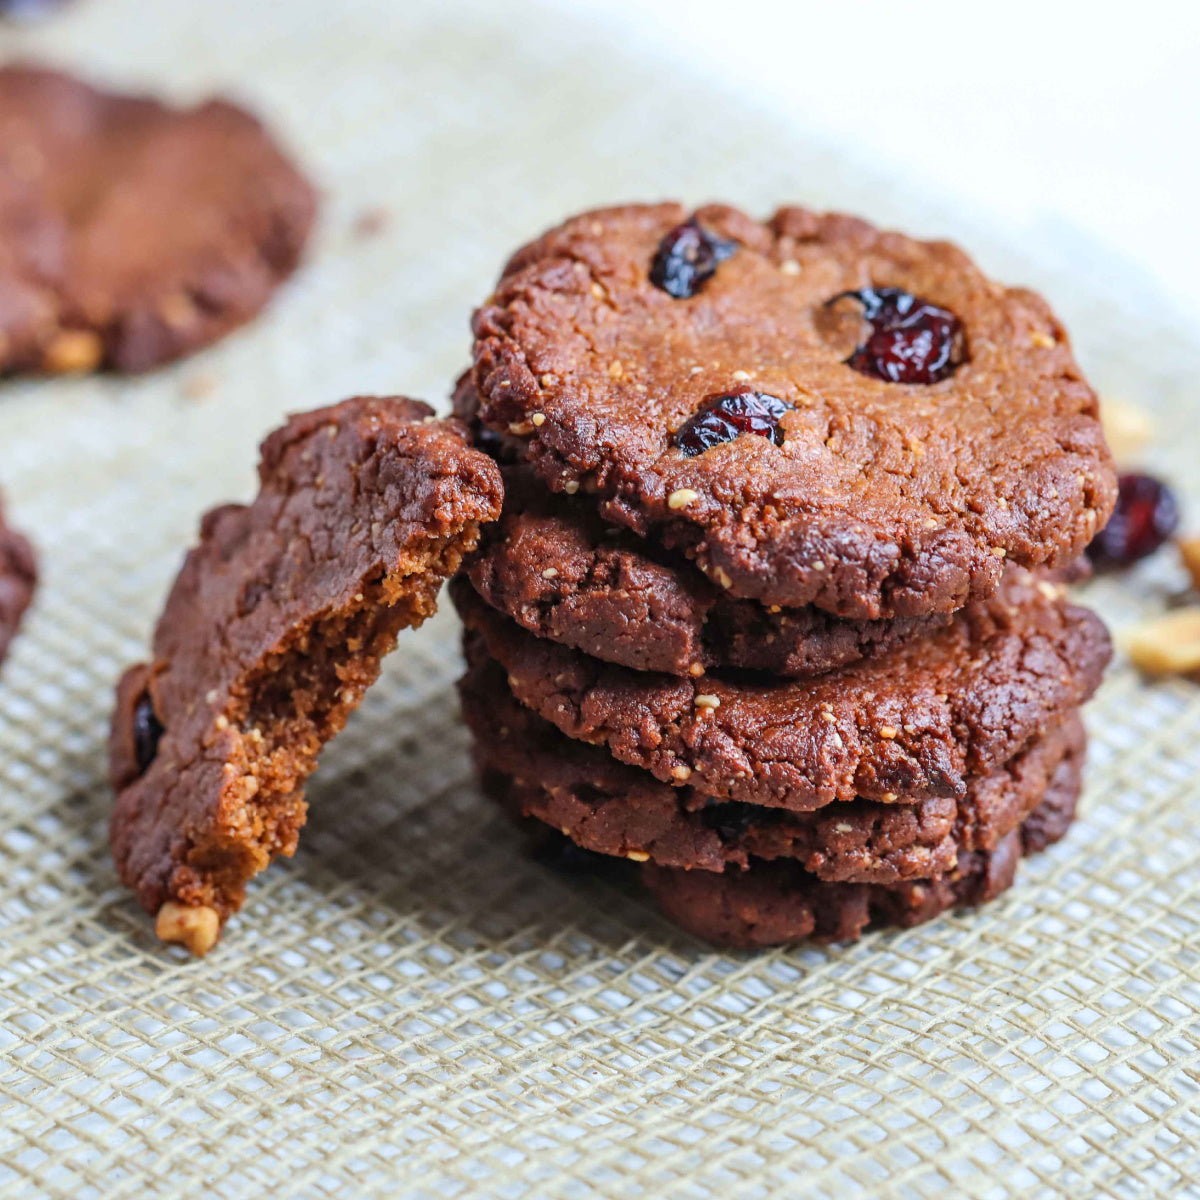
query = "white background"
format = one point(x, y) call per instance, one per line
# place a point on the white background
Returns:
point(1068, 118)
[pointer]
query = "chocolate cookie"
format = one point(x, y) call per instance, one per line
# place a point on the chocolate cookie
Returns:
point(557, 570)
point(606, 806)
point(775, 903)
point(272, 632)
point(18, 578)
point(815, 411)
point(132, 233)
point(915, 723)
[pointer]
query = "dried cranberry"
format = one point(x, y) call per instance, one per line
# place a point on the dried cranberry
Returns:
point(687, 258)
point(147, 732)
point(910, 340)
point(723, 417)
point(1146, 514)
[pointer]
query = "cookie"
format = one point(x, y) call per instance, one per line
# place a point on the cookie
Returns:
point(814, 411)
point(918, 722)
point(561, 573)
point(777, 903)
point(271, 634)
point(132, 233)
point(605, 806)
point(18, 579)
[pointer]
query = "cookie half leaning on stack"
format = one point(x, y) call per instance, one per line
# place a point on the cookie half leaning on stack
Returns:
point(774, 607)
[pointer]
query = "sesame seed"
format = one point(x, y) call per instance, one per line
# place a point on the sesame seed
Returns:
point(549, 572)
point(790, 266)
point(741, 376)
point(571, 486)
point(842, 827)
point(538, 418)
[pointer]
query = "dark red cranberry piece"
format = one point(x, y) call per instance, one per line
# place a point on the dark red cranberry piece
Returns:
point(910, 340)
point(687, 258)
point(147, 732)
point(723, 417)
point(1146, 514)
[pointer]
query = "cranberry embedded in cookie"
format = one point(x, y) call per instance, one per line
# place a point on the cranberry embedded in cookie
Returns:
point(908, 340)
point(722, 418)
point(687, 258)
point(933, 425)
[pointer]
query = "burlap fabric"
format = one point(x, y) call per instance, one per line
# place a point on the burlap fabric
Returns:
point(410, 1007)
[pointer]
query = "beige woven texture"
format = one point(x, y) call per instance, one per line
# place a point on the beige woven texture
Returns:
point(410, 1007)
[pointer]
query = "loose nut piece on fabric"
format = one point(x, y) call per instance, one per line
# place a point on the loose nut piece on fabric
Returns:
point(1167, 645)
point(1127, 428)
point(195, 927)
point(1189, 551)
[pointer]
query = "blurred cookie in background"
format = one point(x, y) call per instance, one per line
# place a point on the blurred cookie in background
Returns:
point(133, 233)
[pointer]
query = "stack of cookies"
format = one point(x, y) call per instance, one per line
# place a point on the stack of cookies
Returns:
point(775, 607)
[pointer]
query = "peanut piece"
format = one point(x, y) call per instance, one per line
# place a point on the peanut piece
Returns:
point(1189, 550)
point(195, 926)
point(1127, 428)
point(1167, 645)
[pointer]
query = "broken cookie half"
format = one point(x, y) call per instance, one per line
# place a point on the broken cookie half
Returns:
point(273, 631)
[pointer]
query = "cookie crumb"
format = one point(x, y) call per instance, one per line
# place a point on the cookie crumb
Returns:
point(369, 223)
point(194, 926)
point(199, 387)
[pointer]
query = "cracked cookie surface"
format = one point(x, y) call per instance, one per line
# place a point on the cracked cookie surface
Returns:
point(872, 498)
point(916, 723)
point(560, 572)
point(777, 903)
point(272, 632)
point(608, 807)
point(132, 233)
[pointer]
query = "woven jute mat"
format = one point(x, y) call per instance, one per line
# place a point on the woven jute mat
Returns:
point(411, 1007)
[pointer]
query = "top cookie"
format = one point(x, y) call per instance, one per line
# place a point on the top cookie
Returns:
point(132, 233)
point(272, 632)
point(817, 412)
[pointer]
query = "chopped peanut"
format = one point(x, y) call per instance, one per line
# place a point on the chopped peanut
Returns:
point(1127, 428)
point(195, 926)
point(1168, 645)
